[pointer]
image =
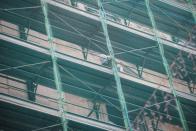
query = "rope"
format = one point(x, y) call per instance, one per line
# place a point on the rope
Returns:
point(21, 66)
point(21, 8)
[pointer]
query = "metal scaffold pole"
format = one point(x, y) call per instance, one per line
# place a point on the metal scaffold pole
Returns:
point(56, 72)
point(166, 66)
point(192, 9)
point(114, 68)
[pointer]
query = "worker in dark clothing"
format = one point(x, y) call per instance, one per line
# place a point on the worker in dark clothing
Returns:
point(96, 107)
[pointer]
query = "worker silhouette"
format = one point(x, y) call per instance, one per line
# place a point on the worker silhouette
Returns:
point(95, 109)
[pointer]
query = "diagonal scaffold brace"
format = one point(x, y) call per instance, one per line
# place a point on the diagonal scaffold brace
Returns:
point(166, 66)
point(114, 68)
point(56, 72)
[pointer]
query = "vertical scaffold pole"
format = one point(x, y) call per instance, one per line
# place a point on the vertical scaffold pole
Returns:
point(57, 76)
point(192, 9)
point(166, 66)
point(114, 68)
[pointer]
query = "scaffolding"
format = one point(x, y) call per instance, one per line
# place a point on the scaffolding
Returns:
point(57, 76)
point(98, 66)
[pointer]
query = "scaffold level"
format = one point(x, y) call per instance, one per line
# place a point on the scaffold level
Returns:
point(83, 65)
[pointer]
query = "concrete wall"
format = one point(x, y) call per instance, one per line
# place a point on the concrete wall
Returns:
point(8, 86)
point(75, 104)
point(9, 28)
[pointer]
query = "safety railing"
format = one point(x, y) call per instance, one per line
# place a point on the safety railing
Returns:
point(129, 23)
point(18, 89)
point(75, 51)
